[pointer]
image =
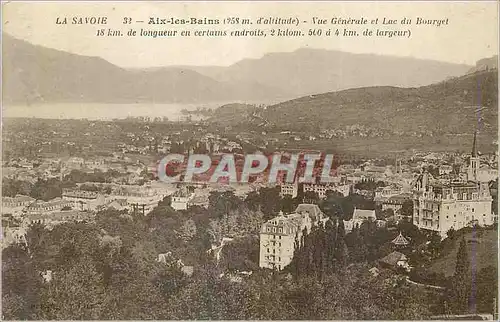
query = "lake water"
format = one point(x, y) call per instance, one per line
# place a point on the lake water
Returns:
point(94, 111)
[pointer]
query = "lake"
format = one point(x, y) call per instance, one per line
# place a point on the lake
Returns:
point(93, 111)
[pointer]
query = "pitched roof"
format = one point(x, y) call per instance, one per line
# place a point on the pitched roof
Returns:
point(393, 258)
point(313, 210)
point(363, 214)
point(400, 240)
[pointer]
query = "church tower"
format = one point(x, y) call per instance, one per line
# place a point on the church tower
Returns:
point(473, 162)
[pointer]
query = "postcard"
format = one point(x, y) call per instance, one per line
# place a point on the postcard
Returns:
point(249, 160)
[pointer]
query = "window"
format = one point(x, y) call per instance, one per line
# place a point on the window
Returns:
point(279, 237)
point(281, 230)
point(268, 250)
point(280, 244)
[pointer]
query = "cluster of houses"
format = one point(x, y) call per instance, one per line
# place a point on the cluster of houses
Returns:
point(448, 200)
point(75, 205)
point(279, 236)
point(128, 172)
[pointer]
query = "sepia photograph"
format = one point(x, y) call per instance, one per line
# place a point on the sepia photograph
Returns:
point(238, 160)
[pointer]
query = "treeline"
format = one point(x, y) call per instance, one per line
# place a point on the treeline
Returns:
point(52, 188)
point(321, 252)
point(41, 189)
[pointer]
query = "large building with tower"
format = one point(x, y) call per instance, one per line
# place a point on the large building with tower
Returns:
point(439, 207)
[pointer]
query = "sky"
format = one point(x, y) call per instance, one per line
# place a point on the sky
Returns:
point(472, 32)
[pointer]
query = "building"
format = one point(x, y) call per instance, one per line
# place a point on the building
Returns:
point(16, 205)
point(19, 201)
point(400, 241)
point(445, 169)
point(181, 199)
point(323, 189)
point(289, 189)
point(278, 236)
point(12, 235)
point(359, 216)
point(395, 260)
point(142, 199)
point(382, 193)
point(396, 204)
point(439, 207)
point(59, 217)
point(84, 200)
point(56, 204)
point(477, 171)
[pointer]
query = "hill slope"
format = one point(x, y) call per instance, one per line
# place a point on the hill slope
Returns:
point(446, 107)
point(485, 64)
point(482, 254)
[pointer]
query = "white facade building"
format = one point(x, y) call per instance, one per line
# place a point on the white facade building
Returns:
point(359, 216)
point(278, 235)
point(181, 199)
point(289, 189)
point(322, 189)
point(438, 207)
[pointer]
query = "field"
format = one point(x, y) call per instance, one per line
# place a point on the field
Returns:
point(481, 254)
point(377, 147)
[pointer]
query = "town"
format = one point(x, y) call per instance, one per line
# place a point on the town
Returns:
point(395, 220)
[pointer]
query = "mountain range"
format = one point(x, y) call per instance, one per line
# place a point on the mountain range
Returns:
point(35, 74)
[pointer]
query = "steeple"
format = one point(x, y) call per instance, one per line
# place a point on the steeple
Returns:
point(474, 161)
point(474, 147)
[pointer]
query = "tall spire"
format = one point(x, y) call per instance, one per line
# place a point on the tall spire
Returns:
point(474, 148)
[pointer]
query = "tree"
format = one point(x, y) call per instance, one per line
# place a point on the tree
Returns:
point(330, 245)
point(487, 289)
point(311, 197)
point(451, 233)
point(407, 209)
point(269, 200)
point(288, 204)
point(220, 203)
point(386, 214)
point(358, 250)
point(188, 230)
point(341, 229)
point(434, 245)
point(332, 206)
point(461, 281)
point(76, 294)
point(20, 284)
point(341, 255)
